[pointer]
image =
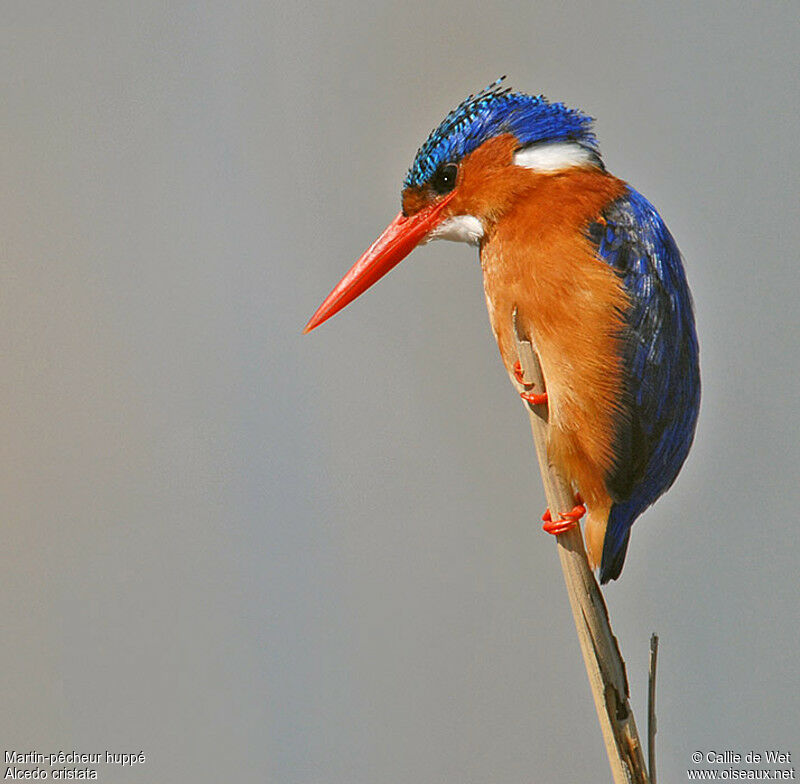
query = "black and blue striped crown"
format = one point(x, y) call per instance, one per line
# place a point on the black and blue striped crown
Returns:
point(494, 111)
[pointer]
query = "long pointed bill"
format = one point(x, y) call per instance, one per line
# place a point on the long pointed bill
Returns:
point(399, 238)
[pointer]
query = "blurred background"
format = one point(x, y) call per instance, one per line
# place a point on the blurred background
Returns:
point(257, 556)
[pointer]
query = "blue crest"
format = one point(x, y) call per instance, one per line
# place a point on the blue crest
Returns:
point(492, 112)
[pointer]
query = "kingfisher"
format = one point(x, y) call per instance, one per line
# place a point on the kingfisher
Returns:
point(580, 263)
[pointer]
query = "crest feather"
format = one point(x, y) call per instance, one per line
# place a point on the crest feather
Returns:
point(494, 111)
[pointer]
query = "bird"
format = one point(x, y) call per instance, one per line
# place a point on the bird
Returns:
point(587, 269)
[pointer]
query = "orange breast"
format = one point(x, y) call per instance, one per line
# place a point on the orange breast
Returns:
point(538, 260)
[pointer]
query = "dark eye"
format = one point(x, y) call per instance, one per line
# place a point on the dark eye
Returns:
point(444, 180)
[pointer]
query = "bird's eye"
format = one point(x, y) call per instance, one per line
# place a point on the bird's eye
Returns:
point(444, 180)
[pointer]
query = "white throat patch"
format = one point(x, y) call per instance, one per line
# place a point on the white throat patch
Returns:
point(459, 228)
point(554, 157)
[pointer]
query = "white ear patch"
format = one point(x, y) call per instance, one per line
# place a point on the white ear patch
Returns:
point(554, 157)
point(459, 228)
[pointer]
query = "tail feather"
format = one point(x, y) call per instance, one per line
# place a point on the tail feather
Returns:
point(615, 544)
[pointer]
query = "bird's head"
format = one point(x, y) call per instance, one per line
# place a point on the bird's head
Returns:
point(486, 154)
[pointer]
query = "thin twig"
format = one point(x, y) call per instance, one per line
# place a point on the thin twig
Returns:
point(601, 655)
point(651, 709)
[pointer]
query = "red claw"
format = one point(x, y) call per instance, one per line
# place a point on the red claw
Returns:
point(532, 397)
point(567, 521)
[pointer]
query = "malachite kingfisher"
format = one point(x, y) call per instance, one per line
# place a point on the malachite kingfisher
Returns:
point(596, 281)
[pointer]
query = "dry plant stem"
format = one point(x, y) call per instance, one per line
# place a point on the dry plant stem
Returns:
point(651, 709)
point(601, 656)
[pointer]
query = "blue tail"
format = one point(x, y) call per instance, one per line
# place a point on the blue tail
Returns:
point(615, 544)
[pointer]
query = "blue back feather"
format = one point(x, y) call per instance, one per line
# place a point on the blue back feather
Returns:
point(492, 112)
point(658, 413)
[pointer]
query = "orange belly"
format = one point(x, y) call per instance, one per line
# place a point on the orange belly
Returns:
point(538, 261)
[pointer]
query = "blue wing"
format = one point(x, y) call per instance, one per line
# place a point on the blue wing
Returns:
point(661, 399)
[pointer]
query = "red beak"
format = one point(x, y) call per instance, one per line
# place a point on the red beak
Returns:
point(399, 238)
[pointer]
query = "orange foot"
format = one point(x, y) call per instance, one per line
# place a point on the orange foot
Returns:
point(531, 397)
point(567, 520)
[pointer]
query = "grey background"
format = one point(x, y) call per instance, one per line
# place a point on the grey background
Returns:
point(258, 556)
